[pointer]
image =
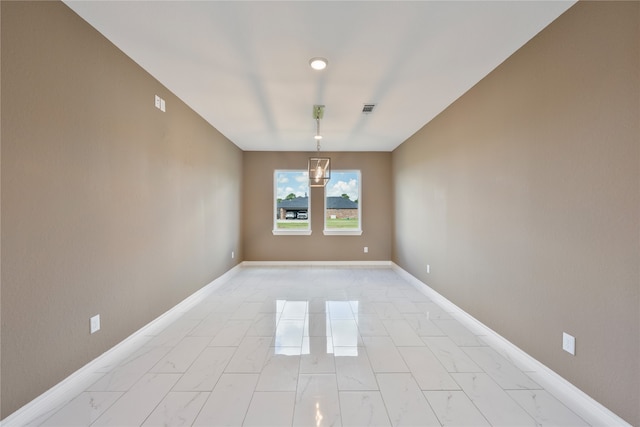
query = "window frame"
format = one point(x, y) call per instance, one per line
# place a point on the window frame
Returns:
point(294, 232)
point(340, 231)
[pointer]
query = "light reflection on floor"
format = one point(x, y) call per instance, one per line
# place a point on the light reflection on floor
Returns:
point(293, 324)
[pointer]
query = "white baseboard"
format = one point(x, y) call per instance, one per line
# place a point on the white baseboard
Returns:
point(386, 264)
point(563, 390)
point(82, 378)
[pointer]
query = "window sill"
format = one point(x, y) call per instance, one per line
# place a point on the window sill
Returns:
point(342, 232)
point(291, 232)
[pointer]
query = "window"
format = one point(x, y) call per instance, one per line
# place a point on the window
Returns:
point(342, 207)
point(292, 214)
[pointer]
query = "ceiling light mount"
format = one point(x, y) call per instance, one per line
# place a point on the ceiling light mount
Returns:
point(318, 63)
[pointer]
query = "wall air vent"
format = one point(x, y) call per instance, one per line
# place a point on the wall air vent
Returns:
point(368, 108)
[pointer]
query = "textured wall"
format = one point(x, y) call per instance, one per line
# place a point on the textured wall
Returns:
point(527, 190)
point(260, 244)
point(109, 206)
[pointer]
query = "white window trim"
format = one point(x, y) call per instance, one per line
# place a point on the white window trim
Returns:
point(281, 232)
point(291, 232)
point(335, 232)
point(344, 232)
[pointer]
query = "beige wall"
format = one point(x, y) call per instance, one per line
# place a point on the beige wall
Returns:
point(260, 244)
point(109, 206)
point(528, 189)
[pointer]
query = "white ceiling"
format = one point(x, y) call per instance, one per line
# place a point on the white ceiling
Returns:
point(243, 65)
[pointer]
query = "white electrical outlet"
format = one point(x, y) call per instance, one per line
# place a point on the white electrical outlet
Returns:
point(569, 343)
point(233, 255)
point(428, 269)
point(95, 323)
point(366, 249)
point(160, 104)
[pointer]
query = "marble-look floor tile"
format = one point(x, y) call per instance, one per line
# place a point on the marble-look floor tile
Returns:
point(346, 351)
point(205, 371)
point(199, 311)
point(339, 310)
point(57, 401)
point(384, 355)
point(386, 310)
point(232, 333)
point(413, 294)
point(270, 305)
point(317, 325)
point(492, 401)
point(433, 311)
point(422, 326)
point(567, 400)
point(182, 355)
point(450, 355)
point(250, 355)
point(454, 409)
point(289, 333)
point(317, 402)
point(226, 300)
point(295, 310)
point(125, 375)
point(406, 305)
point(279, 373)
point(174, 333)
point(365, 306)
point(500, 369)
point(345, 333)
point(264, 325)
point(369, 325)
point(401, 333)
point(427, 369)
point(318, 357)
point(228, 403)
point(361, 305)
point(406, 405)
point(247, 311)
point(393, 292)
point(363, 408)
point(458, 333)
point(318, 303)
point(270, 409)
point(546, 409)
point(210, 325)
point(355, 372)
point(177, 409)
point(83, 410)
point(133, 407)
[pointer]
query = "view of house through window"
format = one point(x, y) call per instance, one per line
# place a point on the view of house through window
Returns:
point(342, 201)
point(292, 200)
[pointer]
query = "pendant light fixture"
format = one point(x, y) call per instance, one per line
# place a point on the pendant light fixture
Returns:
point(319, 168)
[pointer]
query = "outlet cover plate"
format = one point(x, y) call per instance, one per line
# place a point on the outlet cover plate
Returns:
point(95, 323)
point(569, 343)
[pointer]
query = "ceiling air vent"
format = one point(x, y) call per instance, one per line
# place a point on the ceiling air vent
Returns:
point(368, 108)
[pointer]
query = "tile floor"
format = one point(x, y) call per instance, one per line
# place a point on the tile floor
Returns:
point(317, 346)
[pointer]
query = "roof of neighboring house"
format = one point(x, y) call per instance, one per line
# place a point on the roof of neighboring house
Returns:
point(341, 203)
point(303, 203)
point(297, 203)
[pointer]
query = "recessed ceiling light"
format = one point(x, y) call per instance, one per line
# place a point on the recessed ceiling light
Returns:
point(318, 63)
